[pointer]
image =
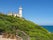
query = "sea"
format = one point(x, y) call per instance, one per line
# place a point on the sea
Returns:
point(49, 28)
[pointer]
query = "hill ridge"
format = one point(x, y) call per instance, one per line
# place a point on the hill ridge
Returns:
point(9, 25)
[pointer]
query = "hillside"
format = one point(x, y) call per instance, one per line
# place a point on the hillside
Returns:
point(10, 25)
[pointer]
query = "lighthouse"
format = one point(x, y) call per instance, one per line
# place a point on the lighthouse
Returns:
point(19, 14)
point(20, 11)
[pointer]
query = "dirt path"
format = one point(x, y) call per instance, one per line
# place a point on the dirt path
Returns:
point(5, 38)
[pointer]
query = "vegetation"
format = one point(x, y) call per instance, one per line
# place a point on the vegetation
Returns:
point(10, 25)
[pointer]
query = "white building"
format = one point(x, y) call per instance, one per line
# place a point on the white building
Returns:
point(19, 14)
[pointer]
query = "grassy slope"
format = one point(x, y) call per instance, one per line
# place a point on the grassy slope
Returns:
point(10, 24)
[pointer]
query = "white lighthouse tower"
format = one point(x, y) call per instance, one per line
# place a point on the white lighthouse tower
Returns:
point(20, 11)
point(19, 14)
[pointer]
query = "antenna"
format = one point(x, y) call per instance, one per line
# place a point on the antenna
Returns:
point(20, 2)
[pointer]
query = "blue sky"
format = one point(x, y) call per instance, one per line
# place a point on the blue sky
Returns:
point(38, 11)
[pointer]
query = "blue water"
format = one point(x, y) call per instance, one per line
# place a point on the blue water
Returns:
point(49, 28)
